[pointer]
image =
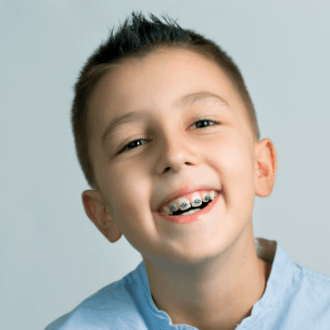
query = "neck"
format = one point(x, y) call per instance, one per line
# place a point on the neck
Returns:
point(214, 293)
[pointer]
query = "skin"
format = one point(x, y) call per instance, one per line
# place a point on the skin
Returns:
point(206, 273)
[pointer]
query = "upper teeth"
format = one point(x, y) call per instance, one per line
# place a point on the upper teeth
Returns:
point(184, 203)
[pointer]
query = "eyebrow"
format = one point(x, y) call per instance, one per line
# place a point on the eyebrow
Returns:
point(186, 100)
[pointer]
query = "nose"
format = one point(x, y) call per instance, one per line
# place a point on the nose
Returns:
point(175, 151)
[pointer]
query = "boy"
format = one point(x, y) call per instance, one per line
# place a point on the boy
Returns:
point(168, 139)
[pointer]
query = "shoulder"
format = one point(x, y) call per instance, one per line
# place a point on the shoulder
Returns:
point(112, 307)
point(306, 280)
point(307, 304)
point(298, 299)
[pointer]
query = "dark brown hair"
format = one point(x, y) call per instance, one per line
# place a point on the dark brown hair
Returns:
point(137, 40)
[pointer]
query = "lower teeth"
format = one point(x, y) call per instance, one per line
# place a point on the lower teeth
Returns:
point(191, 211)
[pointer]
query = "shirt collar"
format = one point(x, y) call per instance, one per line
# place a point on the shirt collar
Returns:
point(280, 277)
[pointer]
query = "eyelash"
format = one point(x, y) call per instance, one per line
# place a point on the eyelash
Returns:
point(140, 139)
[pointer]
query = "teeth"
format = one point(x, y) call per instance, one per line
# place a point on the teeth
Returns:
point(183, 203)
point(196, 199)
point(191, 211)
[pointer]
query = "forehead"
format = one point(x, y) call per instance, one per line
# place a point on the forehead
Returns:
point(155, 82)
point(157, 72)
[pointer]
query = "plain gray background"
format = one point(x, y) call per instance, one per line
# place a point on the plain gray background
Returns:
point(52, 255)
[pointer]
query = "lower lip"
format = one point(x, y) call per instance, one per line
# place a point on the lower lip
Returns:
point(184, 219)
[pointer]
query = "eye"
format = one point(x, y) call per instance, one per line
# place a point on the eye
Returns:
point(137, 141)
point(205, 121)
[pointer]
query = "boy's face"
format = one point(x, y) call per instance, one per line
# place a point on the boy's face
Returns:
point(173, 152)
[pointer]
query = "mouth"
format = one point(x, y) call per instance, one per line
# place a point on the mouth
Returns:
point(192, 215)
point(192, 209)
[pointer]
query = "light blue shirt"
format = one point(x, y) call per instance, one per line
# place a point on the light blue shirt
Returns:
point(296, 297)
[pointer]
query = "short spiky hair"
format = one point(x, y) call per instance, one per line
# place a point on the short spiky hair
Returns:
point(137, 41)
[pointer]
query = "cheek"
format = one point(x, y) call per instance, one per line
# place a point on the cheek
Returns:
point(230, 154)
point(131, 188)
point(233, 161)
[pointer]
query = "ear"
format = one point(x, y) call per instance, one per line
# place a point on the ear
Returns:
point(97, 213)
point(265, 167)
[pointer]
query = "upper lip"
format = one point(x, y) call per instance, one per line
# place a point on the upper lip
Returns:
point(183, 192)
